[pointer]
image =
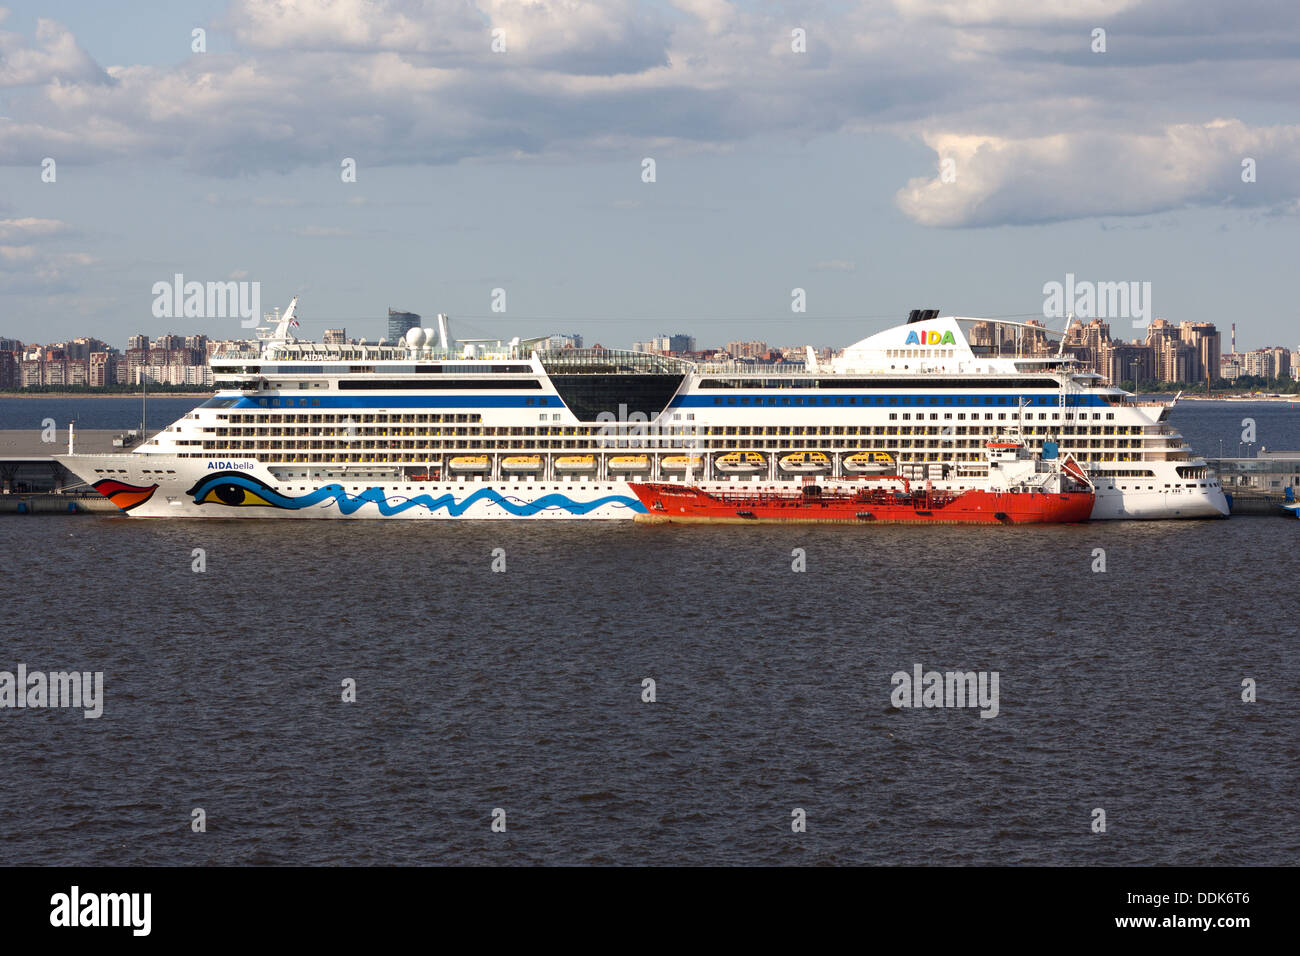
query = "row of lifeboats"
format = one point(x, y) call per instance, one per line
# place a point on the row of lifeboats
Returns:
point(733, 463)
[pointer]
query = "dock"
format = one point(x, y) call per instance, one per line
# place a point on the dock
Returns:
point(32, 482)
point(1264, 485)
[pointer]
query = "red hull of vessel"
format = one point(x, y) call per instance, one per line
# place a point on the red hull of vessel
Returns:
point(666, 503)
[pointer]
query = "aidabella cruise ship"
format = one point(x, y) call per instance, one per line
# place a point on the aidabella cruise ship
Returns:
point(434, 428)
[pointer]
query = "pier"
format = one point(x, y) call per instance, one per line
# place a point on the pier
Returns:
point(32, 482)
point(1263, 485)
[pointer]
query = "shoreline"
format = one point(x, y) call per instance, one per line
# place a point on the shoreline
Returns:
point(105, 394)
point(1237, 398)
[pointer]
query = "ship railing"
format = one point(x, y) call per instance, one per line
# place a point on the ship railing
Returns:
point(745, 368)
point(364, 353)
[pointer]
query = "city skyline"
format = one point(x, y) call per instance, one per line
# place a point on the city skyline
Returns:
point(735, 346)
point(1189, 352)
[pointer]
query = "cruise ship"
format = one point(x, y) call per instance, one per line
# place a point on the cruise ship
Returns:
point(433, 427)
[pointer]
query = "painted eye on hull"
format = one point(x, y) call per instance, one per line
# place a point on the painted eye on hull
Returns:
point(228, 493)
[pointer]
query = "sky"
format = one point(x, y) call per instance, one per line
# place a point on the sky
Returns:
point(913, 154)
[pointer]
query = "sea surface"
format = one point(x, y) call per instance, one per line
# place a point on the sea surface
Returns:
point(522, 690)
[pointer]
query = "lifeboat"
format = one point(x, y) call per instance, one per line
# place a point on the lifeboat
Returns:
point(805, 462)
point(574, 464)
point(741, 463)
point(681, 463)
point(466, 464)
point(629, 463)
point(521, 464)
point(870, 463)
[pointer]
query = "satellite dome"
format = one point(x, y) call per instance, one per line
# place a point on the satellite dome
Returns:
point(415, 338)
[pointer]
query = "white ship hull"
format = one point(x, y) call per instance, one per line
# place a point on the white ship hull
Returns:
point(1116, 505)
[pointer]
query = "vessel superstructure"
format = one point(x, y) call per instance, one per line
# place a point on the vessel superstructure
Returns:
point(433, 427)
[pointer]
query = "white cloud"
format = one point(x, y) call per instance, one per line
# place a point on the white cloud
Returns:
point(1017, 11)
point(55, 57)
point(1102, 173)
point(1041, 130)
point(11, 229)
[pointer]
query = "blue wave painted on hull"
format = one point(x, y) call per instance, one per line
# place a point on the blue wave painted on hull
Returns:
point(236, 490)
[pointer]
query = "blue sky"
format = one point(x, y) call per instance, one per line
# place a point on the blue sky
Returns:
point(522, 170)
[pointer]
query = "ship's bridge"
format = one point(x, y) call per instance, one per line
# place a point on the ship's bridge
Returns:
point(955, 344)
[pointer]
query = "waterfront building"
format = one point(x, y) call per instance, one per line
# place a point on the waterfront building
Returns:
point(399, 323)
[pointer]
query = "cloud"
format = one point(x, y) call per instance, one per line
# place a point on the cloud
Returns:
point(16, 229)
point(997, 180)
point(56, 57)
point(30, 269)
point(1041, 128)
point(28, 265)
point(968, 12)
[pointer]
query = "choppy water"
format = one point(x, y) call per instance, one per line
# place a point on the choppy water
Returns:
point(522, 690)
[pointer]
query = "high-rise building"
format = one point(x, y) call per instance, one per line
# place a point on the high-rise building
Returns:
point(1205, 339)
point(102, 369)
point(337, 337)
point(1127, 362)
point(667, 343)
point(1281, 361)
point(137, 342)
point(9, 373)
point(747, 349)
point(399, 323)
point(563, 341)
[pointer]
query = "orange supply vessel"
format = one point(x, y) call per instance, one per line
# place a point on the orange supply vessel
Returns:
point(813, 504)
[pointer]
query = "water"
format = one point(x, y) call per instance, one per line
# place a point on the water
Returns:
point(522, 690)
point(1214, 429)
point(94, 411)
